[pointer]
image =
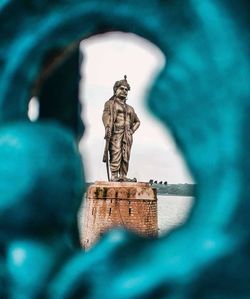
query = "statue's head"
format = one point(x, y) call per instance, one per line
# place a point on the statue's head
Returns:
point(121, 88)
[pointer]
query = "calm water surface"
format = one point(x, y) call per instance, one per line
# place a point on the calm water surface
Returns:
point(172, 211)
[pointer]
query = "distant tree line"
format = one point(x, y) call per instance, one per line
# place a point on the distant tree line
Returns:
point(175, 189)
point(163, 188)
point(151, 182)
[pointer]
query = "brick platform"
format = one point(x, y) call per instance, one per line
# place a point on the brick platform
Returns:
point(115, 204)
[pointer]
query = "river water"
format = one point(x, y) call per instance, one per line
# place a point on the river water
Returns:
point(172, 211)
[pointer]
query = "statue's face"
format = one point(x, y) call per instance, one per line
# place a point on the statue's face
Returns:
point(122, 92)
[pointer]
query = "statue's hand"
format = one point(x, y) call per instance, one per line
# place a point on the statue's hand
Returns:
point(107, 133)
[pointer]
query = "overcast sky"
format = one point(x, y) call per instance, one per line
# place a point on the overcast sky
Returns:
point(108, 58)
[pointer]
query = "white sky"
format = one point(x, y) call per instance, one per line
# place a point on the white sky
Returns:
point(108, 58)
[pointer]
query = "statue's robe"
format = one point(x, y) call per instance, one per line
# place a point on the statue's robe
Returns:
point(123, 122)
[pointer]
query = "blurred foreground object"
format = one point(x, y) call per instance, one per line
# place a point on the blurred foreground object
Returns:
point(202, 95)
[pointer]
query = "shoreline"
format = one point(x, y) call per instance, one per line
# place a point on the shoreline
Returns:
point(170, 189)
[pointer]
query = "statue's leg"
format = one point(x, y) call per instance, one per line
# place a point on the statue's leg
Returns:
point(115, 155)
point(126, 149)
point(114, 176)
point(123, 170)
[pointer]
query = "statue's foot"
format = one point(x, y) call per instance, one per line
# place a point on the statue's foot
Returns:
point(125, 179)
point(121, 179)
point(115, 179)
point(132, 180)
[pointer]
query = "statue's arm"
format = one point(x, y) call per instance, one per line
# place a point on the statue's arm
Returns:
point(136, 123)
point(106, 115)
point(106, 119)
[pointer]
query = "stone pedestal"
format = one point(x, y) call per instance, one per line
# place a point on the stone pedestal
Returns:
point(115, 204)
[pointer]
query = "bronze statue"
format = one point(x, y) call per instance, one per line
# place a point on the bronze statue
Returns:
point(120, 122)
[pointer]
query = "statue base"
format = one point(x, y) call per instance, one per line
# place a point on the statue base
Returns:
point(119, 204)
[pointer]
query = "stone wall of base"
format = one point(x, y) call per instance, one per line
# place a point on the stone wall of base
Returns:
point(112, 204)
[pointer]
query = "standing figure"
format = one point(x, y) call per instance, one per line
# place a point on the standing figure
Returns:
point(120, 122)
